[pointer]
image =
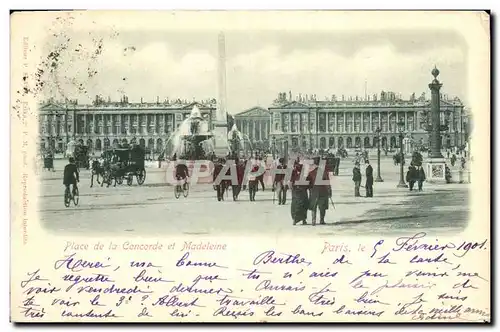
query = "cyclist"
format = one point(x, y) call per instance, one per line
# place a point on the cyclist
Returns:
point(181, 173)
point(71, 175)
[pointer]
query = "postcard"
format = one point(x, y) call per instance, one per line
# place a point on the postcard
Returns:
point(263, 166)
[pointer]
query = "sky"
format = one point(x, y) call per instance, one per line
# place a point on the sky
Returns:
point(259, 65)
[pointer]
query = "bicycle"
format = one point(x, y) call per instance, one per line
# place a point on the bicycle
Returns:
point(68, 196)
point(181, 188)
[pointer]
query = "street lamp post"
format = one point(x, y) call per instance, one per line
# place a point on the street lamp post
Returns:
point(379, 178)
point(402, 183)
point(274, 147)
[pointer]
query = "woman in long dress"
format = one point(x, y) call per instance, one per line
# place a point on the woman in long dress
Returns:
point(300, 199)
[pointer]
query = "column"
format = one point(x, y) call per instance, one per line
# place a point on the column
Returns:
point(345, 121)
point(435, 86)
point(289, 122)
point(371, 122)
point(353, 123)
point(84, 125)
point(380, 119)
point(361, 123)
point(406, 120)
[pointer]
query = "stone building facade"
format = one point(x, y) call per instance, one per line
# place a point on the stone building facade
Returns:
point(353, 123)
point(106, 124)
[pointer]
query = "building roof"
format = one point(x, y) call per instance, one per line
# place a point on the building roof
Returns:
point(255, 111)
point(363, 104)
point(55, 106)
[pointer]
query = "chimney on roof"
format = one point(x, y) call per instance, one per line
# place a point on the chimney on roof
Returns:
point(157, 99)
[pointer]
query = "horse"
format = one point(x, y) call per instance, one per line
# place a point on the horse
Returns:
point(96, 169)
point(115, 172)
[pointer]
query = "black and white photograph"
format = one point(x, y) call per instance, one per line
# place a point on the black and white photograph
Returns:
point(145, 126)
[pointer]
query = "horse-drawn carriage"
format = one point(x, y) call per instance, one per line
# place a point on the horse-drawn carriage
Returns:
point(81, 156)
point(123, 164)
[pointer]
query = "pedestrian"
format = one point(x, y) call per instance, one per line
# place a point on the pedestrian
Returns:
point(319, 193)
point(279, 183)
point(411, 176)
point(356, 177)
point(447, 174)
point(300, 200)
point(369, 179)
point(253, 185)
point(219, 188)
point(262, 168)
point(240, 173)
point(421, 177)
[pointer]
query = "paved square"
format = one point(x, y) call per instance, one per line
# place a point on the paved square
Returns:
point(151, 209)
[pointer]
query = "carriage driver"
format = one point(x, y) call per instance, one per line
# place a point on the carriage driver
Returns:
point(181, 172)
point(71, 175)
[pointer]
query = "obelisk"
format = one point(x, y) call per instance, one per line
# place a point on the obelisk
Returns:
point(220, 123)
point(436, 162)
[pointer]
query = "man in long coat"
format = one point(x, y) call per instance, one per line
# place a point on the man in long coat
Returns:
point(279, 183)
point(369, 179)
point(300, 200)
point(356, 177)
point(220, 188)
point(319, 193)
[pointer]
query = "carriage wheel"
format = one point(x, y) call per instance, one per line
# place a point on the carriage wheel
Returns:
point(185, 192)
point(76, 197)
point(177, 191)
point(141, 176)
point(130, 179)
point(119, 179)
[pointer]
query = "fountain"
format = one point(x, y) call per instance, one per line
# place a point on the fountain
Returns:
point(238, 142)
point(193, 139)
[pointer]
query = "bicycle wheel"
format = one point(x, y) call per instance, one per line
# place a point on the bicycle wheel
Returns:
point(177, 191)
point(67, 198)
point(185, 192)
point(76, 197)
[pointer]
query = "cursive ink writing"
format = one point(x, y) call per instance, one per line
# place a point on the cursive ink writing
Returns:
point(267, 285)
point(441, 258)
point(419, 273)
point(76, 265)
point(174, 301)
point(412, 244)
point(270, 257)
point(400, 284)
point(224, 311)
point(143, 277)
point(319, 298)
point(368, 273)
point(76, 279)
point(227, 300)
point(181, 288)
point(32, 277)
point(365, 299)
point(113, 289)
point(89, 314)
point(184, 262)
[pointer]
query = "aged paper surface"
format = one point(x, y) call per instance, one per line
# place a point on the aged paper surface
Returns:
point(137, 252)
